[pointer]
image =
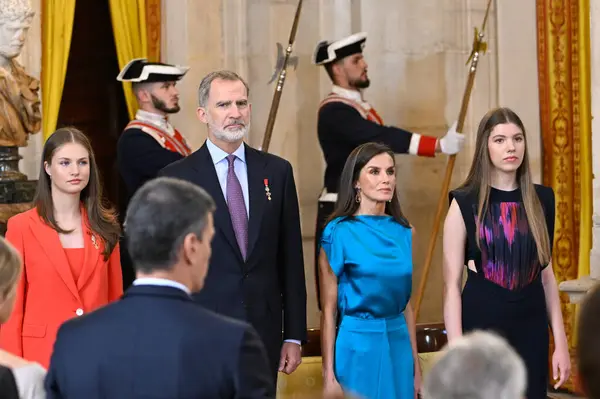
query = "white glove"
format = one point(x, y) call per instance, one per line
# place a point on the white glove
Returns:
point(453, 141)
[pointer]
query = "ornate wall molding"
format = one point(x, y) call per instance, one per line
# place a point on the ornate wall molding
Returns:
point(153, 29)
point(563, 53)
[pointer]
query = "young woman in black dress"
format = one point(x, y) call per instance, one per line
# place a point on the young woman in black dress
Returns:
point(501, 226)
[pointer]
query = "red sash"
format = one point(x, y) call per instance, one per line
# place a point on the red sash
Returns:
point(175, 143)
point(370, 114)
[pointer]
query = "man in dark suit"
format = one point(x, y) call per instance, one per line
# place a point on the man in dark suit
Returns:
point(157, 342)
point(257, 273)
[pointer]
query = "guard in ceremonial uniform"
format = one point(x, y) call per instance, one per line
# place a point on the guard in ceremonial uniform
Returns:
point(149, 142)
point(346, 120)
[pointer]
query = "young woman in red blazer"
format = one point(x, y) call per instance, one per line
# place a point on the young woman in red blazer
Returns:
point(69, 246)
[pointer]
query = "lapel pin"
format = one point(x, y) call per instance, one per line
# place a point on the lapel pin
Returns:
point(267, 189)
point(94, 242)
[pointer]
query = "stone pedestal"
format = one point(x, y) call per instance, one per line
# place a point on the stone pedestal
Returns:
point(9, 165)
point(18, 164)
point(15, 197)
point(577, 289)
point(16, 192)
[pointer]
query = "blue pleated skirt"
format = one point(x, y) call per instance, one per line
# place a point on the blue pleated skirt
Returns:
point(373, 358)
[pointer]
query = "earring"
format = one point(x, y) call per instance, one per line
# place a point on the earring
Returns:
point(357, 195)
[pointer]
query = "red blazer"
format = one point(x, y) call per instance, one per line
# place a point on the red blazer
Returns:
point(47, 293)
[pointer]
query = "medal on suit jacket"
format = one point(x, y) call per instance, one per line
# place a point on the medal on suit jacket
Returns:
point(94, 242)
point(267, 189)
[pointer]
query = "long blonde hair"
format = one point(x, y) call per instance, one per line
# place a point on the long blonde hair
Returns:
point(479, 181)
point(10, 268)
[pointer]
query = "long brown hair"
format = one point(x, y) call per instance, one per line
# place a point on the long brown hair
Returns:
point(479, 180)
point(346, 205)
point(101, 219)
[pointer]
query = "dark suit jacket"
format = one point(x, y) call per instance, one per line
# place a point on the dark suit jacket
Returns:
point(157, 343)
point(268, 289)
point(341, 128)
point(140, 158)
point(8, 385)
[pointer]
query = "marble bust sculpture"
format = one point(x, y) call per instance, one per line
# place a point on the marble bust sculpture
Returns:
point(20, 113)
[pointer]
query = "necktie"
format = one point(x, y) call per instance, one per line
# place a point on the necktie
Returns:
point(237, 207)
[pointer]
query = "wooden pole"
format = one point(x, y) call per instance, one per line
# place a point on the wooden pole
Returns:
point(479, 47)
point(280, 83)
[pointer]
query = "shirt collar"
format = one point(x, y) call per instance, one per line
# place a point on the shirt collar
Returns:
point(218, 154)
point(151, 117)
point(349, 94)
point(163, 282)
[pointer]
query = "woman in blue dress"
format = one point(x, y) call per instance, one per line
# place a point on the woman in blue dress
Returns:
point(365, 267)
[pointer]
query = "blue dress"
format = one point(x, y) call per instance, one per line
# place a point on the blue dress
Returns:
point(372, 259)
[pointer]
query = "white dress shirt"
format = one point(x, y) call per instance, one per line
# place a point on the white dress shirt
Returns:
point(162, 282)
point(219, 158)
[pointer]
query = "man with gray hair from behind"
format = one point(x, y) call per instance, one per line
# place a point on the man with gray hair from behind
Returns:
point(156, 342)
point(479, 365)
